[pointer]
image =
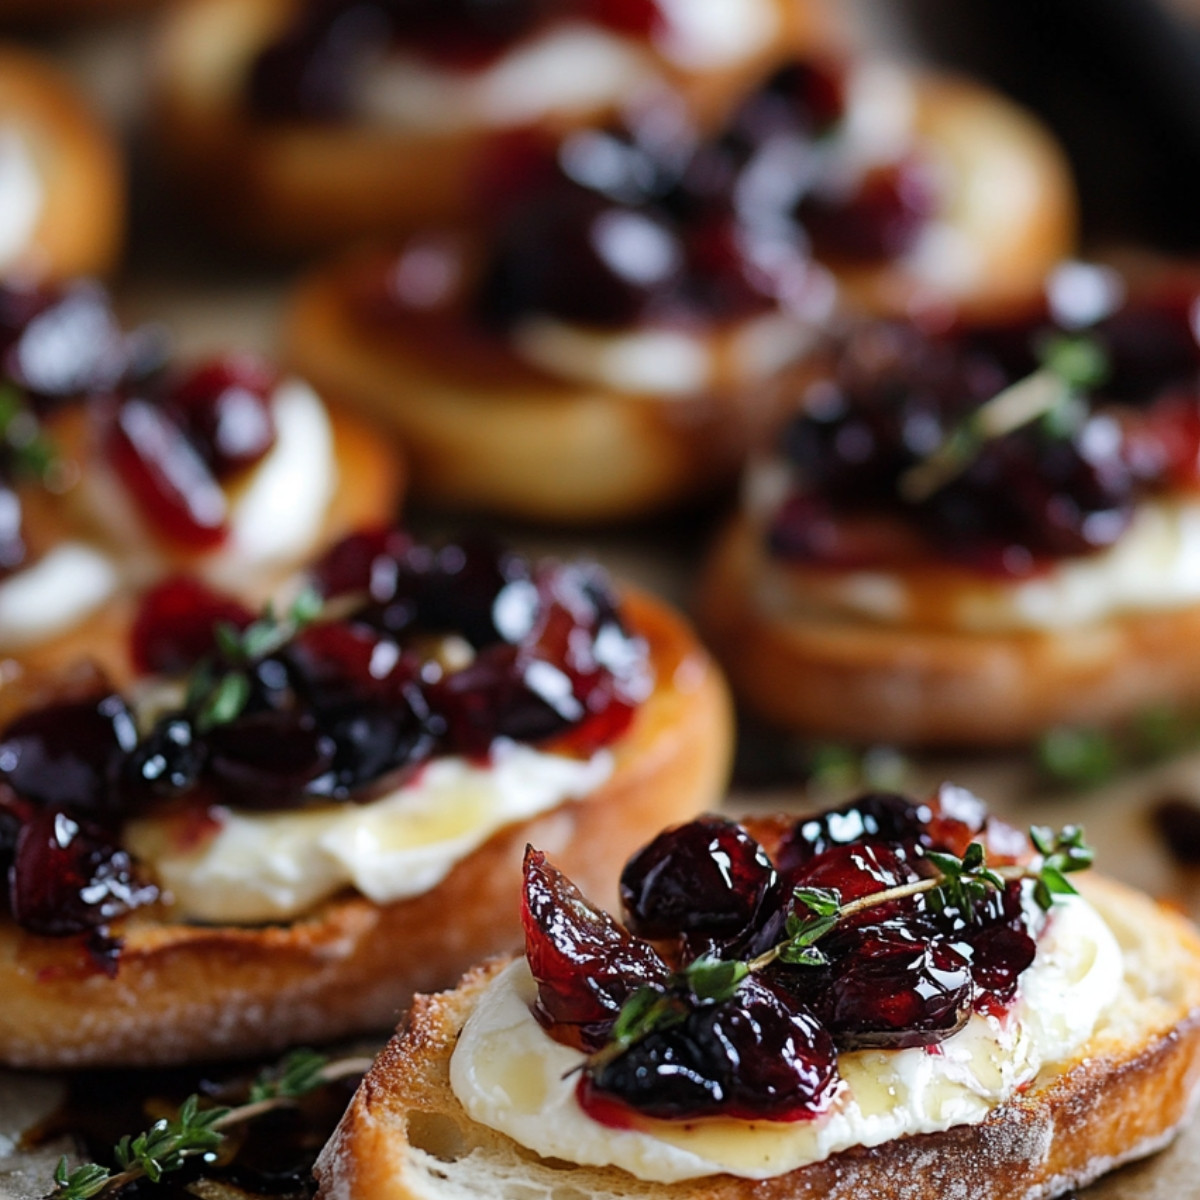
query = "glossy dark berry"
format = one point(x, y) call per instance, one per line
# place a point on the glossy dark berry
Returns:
point(895, 987)
point(755, 1057)
point(174, 488)
point(68, 755)
point(176, 625)
point(880, 220)
point(873, 817)
point(585, 964)
point(224, 407)
point(167, 761)
point(708, 877)
point(267, 760)
point(69, 876)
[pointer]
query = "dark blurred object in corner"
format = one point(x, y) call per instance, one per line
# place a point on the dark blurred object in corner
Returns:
point(1118, 81)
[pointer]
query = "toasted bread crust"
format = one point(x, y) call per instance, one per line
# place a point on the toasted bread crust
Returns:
point(406, 1137)
point(831, 675)
point(75, 156)
point(190, 992)
point(292, 186)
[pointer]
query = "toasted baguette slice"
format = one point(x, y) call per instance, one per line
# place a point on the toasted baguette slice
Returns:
point(827, 674)
point(186, 992)
point(74, 157)
point(288, 186)
point(406, 1137)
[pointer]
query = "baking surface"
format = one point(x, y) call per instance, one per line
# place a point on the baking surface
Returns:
point(209, 301)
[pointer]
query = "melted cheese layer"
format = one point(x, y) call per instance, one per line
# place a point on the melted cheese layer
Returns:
point(574, 67)
point(54, 594)
point(1153, 567)
point(510, 1075)
point(276, 866)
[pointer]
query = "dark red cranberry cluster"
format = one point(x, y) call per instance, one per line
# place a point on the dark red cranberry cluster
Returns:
point(60, 814)
point(652, 221)
point(309, 71)
point(906, 972)
point(176, 440)
point(422, 650)
point(1059, 486)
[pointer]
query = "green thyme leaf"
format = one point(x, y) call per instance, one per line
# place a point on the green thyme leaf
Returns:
point(225, 702)
point(301, 1072)
point(824, 902)
point(713, 979)
point(803, 956)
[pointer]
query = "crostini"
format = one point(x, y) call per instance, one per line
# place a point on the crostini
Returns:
point(894, 999)
point(293, 822)
point(970, 538)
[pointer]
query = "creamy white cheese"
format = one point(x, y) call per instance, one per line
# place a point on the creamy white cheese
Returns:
point(1154, 566)
point(666, 363)
point(54, 594)
point(276, 866)
point(275, 516)
point(573, 67)
point(22, 196)
point(278, 515)
point(510, 1075)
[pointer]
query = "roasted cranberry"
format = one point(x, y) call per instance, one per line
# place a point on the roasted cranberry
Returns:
point(585, 964)
point(68, 876)
point(855, 871)
point(892, 987)
point(68, 755)
point(368, 703)
point(876, 816)
point(574, 255)
point(503, 693)
point(708, 877)
point(225, 410)
point(173, 486)
point(881, 220)
point(267, 760)
point(754, 1057)
point(176, 625)
point(367, 562)
point(61, 343)
point(169, 760)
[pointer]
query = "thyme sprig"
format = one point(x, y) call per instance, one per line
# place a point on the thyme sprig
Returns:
point(957, 884)
point(196, 1132)
point(219, 687)
point(1069, 364)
